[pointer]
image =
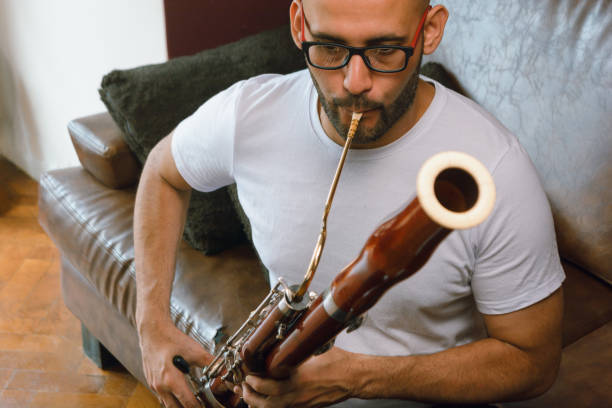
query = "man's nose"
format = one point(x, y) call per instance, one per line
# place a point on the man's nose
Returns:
point(358, 77)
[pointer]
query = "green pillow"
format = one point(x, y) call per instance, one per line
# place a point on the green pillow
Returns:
point(148, 102)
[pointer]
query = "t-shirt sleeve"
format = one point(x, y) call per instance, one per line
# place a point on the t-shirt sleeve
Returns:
point(517, 260)
point(203, 143)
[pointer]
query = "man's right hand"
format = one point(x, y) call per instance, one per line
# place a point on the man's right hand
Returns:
point(159, 343)
point(162, 194)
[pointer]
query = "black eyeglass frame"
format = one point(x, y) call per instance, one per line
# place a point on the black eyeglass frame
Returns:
point(409, 51)
point(361, 50)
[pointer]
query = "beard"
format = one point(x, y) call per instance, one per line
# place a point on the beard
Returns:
point(389, 114)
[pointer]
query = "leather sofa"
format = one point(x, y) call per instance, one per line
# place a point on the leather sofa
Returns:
point(543, 68)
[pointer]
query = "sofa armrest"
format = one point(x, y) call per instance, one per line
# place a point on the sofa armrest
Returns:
point(102, 150)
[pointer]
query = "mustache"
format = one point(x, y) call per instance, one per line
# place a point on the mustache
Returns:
point(356, 103)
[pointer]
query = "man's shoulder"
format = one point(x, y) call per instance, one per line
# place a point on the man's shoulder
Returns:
point(279, 78)
point(275, 84)
point(469, 112)
point(464, 125)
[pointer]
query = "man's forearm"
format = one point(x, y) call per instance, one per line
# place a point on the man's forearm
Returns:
point(488, 370)
point(158, 224)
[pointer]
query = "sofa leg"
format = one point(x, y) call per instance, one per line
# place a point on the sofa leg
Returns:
point(96, 350)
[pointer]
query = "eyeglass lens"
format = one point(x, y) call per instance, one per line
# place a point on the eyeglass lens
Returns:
point(334, 56)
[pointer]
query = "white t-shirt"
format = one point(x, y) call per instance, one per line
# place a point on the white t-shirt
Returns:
point(265, 135)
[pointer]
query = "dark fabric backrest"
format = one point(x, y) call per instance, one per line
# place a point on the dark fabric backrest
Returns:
point(544, 69)
point(196, 25)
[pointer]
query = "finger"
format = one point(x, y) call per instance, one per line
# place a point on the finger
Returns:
point(195, 354)
point(252, 398)
point(183, 394)
point(267, 386)
point(168, 401)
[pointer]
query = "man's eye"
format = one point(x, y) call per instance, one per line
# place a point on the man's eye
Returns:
point(385, 51)
point(331, 49)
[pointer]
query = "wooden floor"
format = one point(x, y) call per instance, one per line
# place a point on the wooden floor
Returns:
point(41, 359)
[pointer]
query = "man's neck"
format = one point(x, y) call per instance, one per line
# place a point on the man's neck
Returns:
point(423, 98)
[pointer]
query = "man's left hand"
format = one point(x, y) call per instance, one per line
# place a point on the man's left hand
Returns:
point(320, 381)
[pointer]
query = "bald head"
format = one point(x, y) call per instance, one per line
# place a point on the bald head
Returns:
point(419, 4)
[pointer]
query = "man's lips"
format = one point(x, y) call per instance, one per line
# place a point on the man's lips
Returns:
point(359, 110)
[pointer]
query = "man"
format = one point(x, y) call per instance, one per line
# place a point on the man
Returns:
point(479, 323)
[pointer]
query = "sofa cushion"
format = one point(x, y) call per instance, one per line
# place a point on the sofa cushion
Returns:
point(148, 102)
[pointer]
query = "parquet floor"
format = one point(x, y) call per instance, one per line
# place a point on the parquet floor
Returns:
point(41, 359)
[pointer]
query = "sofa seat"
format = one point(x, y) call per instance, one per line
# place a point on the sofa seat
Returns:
point(92, 226)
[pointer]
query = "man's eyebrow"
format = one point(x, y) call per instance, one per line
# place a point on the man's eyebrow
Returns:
point(387, 39)
point(327, 37)
point(383, 39)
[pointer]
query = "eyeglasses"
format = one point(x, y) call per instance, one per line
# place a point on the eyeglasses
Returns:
point(379, 58)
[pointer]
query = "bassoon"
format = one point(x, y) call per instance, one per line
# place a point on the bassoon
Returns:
point(454, 191)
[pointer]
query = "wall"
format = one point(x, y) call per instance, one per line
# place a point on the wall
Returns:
point(190, 24)
point(53, 55)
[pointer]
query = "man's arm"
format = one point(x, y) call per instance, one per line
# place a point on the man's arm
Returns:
point(519, 360)
point(159, 215)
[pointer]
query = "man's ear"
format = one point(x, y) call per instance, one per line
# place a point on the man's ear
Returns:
point(295, 17)
point(434, 28)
